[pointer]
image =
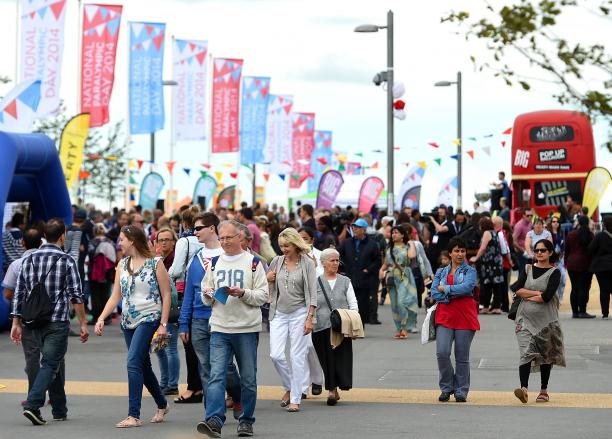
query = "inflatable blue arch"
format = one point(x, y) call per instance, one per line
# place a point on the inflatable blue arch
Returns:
point(30, 170)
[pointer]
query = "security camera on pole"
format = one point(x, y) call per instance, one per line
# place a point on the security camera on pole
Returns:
point(387, 77)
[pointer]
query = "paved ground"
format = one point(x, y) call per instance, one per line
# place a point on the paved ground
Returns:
point(395, 391)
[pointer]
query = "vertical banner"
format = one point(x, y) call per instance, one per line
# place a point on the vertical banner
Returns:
point(205, 187)
point(595, 187)
point(151, 187)
point(72, 144)
point(98, 53)
point(226, 197)
point(412, 198)
point(329, 187)
point(191, 73)
point(321, 158)
point(448, 193)
point(253, 119)
point(370, 191)
point(146, 81)
point(42, 48)
point(18, 107)
point(413, 178)
point(279, 134)
point(301, 147)
point(225, 105)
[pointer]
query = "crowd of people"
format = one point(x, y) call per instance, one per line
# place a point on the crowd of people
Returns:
point(215, 279)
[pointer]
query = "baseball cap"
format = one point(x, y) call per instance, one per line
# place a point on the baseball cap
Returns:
point(80, 214)
point(360, 223)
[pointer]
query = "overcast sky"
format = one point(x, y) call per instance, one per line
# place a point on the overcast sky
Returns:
point(309, 50)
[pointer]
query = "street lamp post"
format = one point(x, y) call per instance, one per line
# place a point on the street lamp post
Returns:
point(388, 77)
point(459, 139)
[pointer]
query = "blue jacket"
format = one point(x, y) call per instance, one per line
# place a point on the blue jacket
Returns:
point(192, 307)
point(464, 283)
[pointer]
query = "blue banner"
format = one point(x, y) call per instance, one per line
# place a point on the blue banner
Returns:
point(206, 187)
point(321, 158)
point(146, 81)
point(253, 119)
point(150, 189)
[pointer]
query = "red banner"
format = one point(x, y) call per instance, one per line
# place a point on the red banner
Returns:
point(301, 147)
point(370, 191)
point(100, 35)
point(226, 104)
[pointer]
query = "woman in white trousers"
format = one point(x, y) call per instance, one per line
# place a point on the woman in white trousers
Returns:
point(293, 294)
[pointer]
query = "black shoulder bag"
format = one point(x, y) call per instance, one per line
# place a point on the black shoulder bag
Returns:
point(334, 318)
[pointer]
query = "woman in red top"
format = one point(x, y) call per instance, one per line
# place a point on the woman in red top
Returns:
point(456, 320)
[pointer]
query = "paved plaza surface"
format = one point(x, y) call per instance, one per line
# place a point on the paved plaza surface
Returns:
point(395, 394)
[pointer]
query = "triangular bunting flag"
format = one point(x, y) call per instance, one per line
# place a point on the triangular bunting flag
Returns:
point(205, 165)
point(508, 131)
point(296, 177)
point(57, 8)
point(438, 161)
point(454, 157)
point(422, 165)
point(203, 173)
point(11, 108)
point(132, 180)
point(457, 142)
point(266, 176)
point(471, 154)
point(140, 163)
point(487, 150)
point(170, 166)
point(374, 166)
point(503, 143)
point(187, 171)
point(234, 175)
point(434, 144)
point(282, 176)
point(218, 176)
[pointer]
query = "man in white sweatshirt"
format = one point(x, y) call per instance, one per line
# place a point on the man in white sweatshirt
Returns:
point(235, 327)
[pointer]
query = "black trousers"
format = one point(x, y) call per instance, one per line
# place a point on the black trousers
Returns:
point(505, 300)
point(363, 302)
point(581, 284)
point(420, 285)
point(604, 278)
point(525, 371)
point(488, 291)
point(373, 306)
point(194, 383)
point(99, 296)
point(337, 364)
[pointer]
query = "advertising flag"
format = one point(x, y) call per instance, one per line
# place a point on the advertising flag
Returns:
point(595, 187)
point(279, 134)
point(18, 107)
point(98, 52)
point(146, 82)
point(226, 197)
point(42, 48)
point(253, 119)
point(329, 188)
point(225, 105)
point(301, 146)
point(448, 192)
point(412, 198)
point(370, 191)
point(150, 189)
point(191, 73)
point(321, 157)
point(72, 143)
point(205, 187)
point(413, 178)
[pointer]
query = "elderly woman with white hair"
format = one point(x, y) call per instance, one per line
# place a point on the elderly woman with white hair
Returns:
point(337, 363)
point(293, 299)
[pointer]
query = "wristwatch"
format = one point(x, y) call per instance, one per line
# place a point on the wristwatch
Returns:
point(163, 324)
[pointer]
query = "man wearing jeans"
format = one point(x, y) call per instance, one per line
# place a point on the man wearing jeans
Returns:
point(59, 274)
point(235, 286)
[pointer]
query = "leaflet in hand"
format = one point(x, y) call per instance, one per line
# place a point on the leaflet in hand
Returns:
point(221, 295)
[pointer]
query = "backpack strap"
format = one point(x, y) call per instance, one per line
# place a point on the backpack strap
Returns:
point(213, 262)
point(254, 263)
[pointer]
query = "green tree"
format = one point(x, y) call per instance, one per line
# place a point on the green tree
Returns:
point(529, 28)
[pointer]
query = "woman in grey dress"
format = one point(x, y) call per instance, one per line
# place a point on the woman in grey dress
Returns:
point(538, 331)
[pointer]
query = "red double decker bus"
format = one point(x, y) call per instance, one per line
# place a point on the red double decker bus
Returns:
point(552, 153)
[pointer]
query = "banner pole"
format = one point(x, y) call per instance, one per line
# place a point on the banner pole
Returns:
point(172, 133)
point(79, 55)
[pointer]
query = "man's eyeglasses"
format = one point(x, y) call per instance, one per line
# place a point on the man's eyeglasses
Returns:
point(227, 238)
point(540, 250)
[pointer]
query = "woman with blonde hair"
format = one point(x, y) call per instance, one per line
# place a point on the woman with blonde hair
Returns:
point(142, 282)
point(293, 293)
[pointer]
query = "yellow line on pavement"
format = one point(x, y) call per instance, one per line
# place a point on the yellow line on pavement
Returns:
point(381, 396)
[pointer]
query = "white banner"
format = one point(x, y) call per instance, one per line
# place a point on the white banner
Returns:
point(279, 135)
point(191, 72)
point(42, 47)
point(448, 193)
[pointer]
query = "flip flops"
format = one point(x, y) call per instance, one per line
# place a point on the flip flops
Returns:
point(129, 422)
point(543, 397)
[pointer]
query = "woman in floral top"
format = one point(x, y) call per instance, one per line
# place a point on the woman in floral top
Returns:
point(142, 283)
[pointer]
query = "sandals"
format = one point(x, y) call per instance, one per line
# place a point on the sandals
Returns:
point(159, 415)
point(293, 408)
point(193, 399)
point(521, 394)
point(403, 335)
point(543, 397)
point(129, 422)
point(285, 402)
point(398, 335)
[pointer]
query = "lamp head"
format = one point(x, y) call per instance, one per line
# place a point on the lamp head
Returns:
point(443, 84)
point(367, 28)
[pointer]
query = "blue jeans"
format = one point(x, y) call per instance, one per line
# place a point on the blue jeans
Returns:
point(169, 362)
point(222, 347)
point(200, 340)
point(52, 341)
point(139, 368)
point(454, 381)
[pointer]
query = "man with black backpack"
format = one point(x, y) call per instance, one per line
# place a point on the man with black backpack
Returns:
point(48, 282)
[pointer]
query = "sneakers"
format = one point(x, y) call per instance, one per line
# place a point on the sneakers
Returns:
point(34, 416)
point(245, 429)
point(444, 397)
point(460, 398)
point(211, 429)
point(60, 418)
point(237, 410)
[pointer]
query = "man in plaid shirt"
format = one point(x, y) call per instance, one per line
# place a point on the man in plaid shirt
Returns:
point(63, 286)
